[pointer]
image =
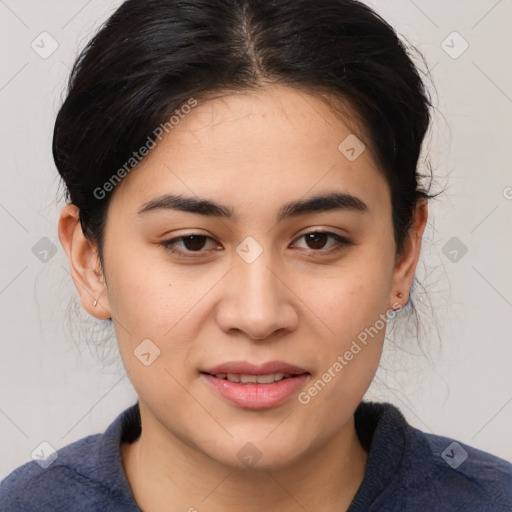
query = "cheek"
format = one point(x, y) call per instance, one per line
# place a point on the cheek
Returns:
point(351, 297)
point(352, 307)
point(147, 295)
point(163, 303)
point(154, 325)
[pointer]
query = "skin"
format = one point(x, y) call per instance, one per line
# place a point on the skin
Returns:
point(291, 304)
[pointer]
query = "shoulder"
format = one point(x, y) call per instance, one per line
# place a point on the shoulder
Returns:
point(457, 476)
point(409, 469)
point(485, 474)
point(50, 483)
point(82, 476)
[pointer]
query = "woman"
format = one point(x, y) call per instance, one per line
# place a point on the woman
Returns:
point(244, 205)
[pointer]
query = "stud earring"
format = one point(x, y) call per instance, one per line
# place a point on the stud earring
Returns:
point(396, 306)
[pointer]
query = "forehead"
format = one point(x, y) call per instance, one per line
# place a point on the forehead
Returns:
point(258, 146)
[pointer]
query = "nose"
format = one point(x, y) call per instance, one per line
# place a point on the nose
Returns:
point(257, 300)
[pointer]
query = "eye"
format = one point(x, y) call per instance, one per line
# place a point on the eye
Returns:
point(193, 243)
point(317, 240)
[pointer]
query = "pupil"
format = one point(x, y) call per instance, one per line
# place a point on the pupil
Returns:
point(191, 239)
point(316, 238)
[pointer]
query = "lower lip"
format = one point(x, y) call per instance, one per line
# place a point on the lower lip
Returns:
point(256, 396)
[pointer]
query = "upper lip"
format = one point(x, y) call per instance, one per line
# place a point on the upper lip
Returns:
point(246, 368)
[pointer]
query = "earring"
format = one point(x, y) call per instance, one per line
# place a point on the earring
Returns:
point(396, 306)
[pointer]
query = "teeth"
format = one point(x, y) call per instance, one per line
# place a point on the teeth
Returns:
point(269, 378)
point(265, 379)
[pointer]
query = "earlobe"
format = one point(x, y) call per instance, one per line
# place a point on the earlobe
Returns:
point(84, 264)
point(405, 266)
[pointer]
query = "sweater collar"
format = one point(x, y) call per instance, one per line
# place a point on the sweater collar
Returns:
point(381, 428)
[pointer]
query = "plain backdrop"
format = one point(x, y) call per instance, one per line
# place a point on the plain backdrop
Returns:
point(60, 380)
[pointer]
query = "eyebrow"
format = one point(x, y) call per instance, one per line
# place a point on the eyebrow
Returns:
point(208, 208)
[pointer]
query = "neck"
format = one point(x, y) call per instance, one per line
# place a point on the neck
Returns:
point(162, 470)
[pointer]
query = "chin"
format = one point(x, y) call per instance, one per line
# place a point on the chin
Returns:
point(260, 455)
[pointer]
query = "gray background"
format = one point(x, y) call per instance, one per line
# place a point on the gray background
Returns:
point(59, 381)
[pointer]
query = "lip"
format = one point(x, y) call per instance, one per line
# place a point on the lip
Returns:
point(255, 396)
point(255, 369)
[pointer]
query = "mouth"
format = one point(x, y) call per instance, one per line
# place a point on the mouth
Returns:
point(247, 378)
point(253, 386)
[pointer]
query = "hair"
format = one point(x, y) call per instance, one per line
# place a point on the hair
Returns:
point(152, 56)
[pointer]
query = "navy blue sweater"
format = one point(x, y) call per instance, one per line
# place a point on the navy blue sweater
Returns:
point(407, 470)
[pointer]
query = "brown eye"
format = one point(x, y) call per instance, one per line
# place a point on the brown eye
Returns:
point(317, 240)
point(194, 242)
point(191, 244)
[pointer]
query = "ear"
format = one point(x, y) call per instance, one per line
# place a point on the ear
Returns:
point(84, 264)
point(405, 265)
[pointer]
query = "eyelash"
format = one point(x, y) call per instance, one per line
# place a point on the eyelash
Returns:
point(341, 243)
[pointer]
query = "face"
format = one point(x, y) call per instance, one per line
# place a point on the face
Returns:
point(291, 301)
